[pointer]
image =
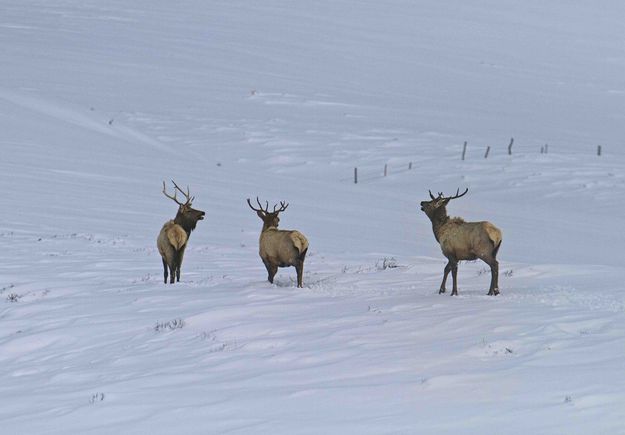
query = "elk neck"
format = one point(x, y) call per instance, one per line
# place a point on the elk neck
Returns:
point(268, 227)
point(186, 223)
point(438, 218)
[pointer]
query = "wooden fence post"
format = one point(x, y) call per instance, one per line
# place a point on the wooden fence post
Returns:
point(487, 151)
point(464, 149)
point(355, 175)
point(510, 146)
point(599, 150)
point(385, 166)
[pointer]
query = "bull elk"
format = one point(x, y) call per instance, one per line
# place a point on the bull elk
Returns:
point(279, 248)
point(462, 240)
point(172, 240)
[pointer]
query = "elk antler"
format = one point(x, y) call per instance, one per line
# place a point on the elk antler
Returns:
point(432, 196)
point(457, 195)
point(189, 198)
point(187, 195)
point(265, 210)
point(283, 207)
point(260, 209)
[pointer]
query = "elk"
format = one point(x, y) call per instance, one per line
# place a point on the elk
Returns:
point(279, 248)
point(173, 238)
point(462, 240)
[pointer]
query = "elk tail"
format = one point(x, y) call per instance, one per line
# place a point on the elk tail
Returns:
point(300, 242)
point(177, 237)
point(494, 234)
point(496, 249)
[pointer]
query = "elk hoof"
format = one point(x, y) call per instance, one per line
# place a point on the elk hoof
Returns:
point(441, 291)
point(454, 293)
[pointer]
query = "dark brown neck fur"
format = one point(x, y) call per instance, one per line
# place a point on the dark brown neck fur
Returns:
point(438, 218)
point(187, 224)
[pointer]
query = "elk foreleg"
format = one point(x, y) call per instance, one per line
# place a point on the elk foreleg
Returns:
point(448, 269)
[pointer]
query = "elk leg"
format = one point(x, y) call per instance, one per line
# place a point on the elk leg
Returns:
point(271, 271)
point(175, 264)
point(165, 270)
point(454, 277)
point(299, 268)
point(494, 278)
point(448, 268)
point(172, 274)
point(179, 262)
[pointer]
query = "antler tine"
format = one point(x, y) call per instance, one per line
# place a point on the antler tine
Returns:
point(431, 196)
point(266, 209)
point(283, 206)
point(251, 206)
point(260, 206)
point(458, 194)
point(462, 194)
point(187, 194)
point(169, 196)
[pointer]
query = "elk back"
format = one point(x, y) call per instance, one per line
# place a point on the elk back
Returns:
point(282, 245)
point(469, 240)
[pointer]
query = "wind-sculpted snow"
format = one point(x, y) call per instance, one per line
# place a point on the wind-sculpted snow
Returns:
point(101, 103)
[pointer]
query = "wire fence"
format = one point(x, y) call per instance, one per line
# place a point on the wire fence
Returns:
point(359, 177)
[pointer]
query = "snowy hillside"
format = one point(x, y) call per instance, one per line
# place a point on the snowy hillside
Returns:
point(102, 101)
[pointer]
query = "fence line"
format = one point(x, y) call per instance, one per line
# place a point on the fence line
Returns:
point(356, 179)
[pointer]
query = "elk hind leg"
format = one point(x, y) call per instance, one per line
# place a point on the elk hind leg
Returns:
point(164, 269)
point(271, 271)
point(494, 276)
point(299, 268)
point(180, 255)
point(172, 273)
point(454, 277)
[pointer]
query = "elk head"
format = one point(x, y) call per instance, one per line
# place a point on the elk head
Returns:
point(269, 218)
point(187, 217)
point(431, 208)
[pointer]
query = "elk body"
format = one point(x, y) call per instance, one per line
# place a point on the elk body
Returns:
point(173, 238)
point(279, 248)
point(462, 240)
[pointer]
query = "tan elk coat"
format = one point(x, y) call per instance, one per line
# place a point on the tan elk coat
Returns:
point(281, 247)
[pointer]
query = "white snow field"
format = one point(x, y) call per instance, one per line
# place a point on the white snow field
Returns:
point(100, 101)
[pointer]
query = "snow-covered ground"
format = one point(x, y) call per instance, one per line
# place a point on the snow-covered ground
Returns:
point(102, 101)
